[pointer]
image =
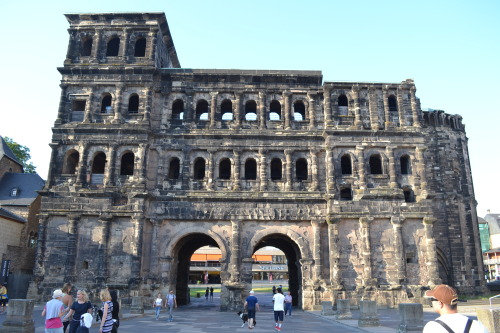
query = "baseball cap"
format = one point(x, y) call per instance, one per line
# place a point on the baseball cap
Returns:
point(251, 291)
point(57, 293)
point(443, 293)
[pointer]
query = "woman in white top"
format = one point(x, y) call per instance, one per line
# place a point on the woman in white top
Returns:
point(157, 304)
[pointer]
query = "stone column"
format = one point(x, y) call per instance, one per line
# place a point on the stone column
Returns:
point(186, 174)
point(140, 167)
point(287, 112)
point(372, 97)
point(318, 267)
point(210, 180)
point(70, 54)
point(399, 259)
point(81, 176)
point(136, 245)
point(147, 111)
point(53, 165)
point(235, 249)
point(312, 115)
point(262, 170)
point(117, 108)
point(314, 170)
point(420, 166)
point(39, 269)
point(109, 176)
point(432, 262)
point(189, 111)
point(388, 120)
point(236, 174)
point(87, 117)
point(237, 111)
point(124, 41)
point(102, 255)
point(334, 257)
point(213, 108)
point(364, 231)
point(62, 106)
point(414, 107)
point(72, 246)
point(153, 35)
point(262, 110)
point(154, 262)
point(19, 317)
point(357, 111)
point(330, 169)
point(288, 169)
point(392, 167)
point(94, 55)
point(401, 107)
point(361, 167)
point(327, 106)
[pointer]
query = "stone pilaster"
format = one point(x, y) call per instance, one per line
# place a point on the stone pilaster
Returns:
point(81, 176)
point(373, 108)
point(235, 249)
point(213, 108)
point(117, 108)
point(420, 166)
point(94, 56)
point(61, 118)
point(431, 262)
point(361, 167)
point(102, 255)
point(414, 107)
point(72, 240)
point(87, 117)
point(312, 115)
point(327, 106)
point(334, 257)
point(401, 107)
point(70, 54)
point(330, 169)
point(53, 164)
point(155, 241)
point(314, 170)
point(39, 268)
point(288, 169)
point(147, 111)
point(357, 110)
point(388, 120)
point(318, 267)
point(392, 167)
point(210, 180)
point(136, 246)
point(109, 177)
point(366, 253)
point(399, 259)
point(262, 170)
point(287, 113)
point(236, 173)
point(237, 111)
point(262, 110)
point(124, 42)
point(153, 36)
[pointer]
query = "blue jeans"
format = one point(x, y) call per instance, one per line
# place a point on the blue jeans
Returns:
point(170, 307)
point(288, 308)
point(157, 311)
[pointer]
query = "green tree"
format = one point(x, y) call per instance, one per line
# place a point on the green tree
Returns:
point(22, 154)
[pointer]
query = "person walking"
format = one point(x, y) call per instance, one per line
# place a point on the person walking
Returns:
point(67, 300)
point(211, 294)
point(274, 290)
point(157, 305)
point(107, 312)
point(78, 308)
point(53, 311)
point(278, 300)
point(288, 303)
point(251, 306)
point(116, 311)
point(171, 301)
point(445, 302)
point(207, 292)
point(4, 298)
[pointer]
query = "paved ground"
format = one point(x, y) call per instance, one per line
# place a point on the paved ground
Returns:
point(204, 317)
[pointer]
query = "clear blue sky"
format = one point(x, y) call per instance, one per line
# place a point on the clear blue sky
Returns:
point(450, 48)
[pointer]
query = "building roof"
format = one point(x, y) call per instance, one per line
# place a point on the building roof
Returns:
point(11, 216)
point(6, 151)
point(493, 223)
point(27, 185)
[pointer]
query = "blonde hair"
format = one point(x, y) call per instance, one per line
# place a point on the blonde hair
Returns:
point(105, 295)
point(84, 293)
point(66, 288)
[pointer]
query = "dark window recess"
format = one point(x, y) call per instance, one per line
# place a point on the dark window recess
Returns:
point(133, 103)
point(86, 47)
point(405, 165)
point(251, 111)
point(275, 110)
point(106, 103)
point(345, 164)
point(299, 109)
point(174, 168)
point(199, 169)
point(409, 195)
point(71, 163)
point(226, 107)
point(250, 169)
point(276, 169)
point(375, 165)
point(140, 48)
point(342, 100)
point(78, 105)
point(85, 265)
point(113, 47)
point(177, 109)
point(301, 169)
point(346, 193)
point(393, 104)
point(99, 163)
point(127, 165)
point(201, 108)
point(225, 169)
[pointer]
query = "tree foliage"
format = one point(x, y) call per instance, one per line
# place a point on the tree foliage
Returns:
point(22, 154)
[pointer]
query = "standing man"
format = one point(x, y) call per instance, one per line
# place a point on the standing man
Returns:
point(211, 294)
point(278, 300)
point(171, 302)
point(288, 303)
point(251, 305)
point(444, 301)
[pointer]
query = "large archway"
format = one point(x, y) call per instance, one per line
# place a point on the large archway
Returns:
point(293, 256)
point(183, 251)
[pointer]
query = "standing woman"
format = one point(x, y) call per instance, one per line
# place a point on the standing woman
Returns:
point(157, 304)
point(116, 311)
point(4, 298)
point(107, 312)
point(68, 301)
point(53, 311)
point(77, 309)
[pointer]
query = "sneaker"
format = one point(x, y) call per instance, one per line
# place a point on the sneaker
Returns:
point(278, 329)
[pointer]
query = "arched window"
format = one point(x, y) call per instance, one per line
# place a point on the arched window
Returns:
point(140, 47)
point(199, 168)
point(276, 169)
point(174, 168)
point(250, 111)
point(99, 163)
point(202, 110)
point(113, 47)
point(346, 193)
point(178, 109)
point(133, 103)
point(343, 105)
point(299, 111)
point(409, 194)
point(106, 103)
point(301, 169)
point(86, 47)
point(226, 110)
point(405, 165)
point(346, 164)
point(393, 104)
point(127, 164)
point(72, 159)
point(33, 239)
point(375, 164)
point(250, 169)
point(225, 169)
point(275, 110)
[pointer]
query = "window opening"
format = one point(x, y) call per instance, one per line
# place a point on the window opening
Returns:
point(199, 168)
point(299, 111)
point(375, 164)
point(86, 47)
point(106, 103)
point(71, 163)
point(393, 104)
point(276, 169)
point(140, 48)
point(301, 169)
point(113, 47)
point(127, 164)
point(133, 103)
point(346, 165)
point(174, 168)
point(177, 109)
point(250, 169)
point(405, 165)
point(225, 169)
point(99, 163)
point(78, 105)
point(251, 111)
point(13, 192)
point(346, 193)
point(343, 105)
point(275, 111)
point(202, 110)
point(226, 109)
point(409, 195)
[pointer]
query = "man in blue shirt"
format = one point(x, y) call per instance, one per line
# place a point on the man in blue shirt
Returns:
point(251, 305)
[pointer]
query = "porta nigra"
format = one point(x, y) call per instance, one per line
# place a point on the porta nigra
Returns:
point(366, 194)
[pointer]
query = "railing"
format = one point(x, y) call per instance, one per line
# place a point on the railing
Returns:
point(491, 261)
point(491, 299)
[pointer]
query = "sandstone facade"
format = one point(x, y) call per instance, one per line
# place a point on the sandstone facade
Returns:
point(366, 194)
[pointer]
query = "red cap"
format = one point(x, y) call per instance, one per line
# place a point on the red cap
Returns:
point(443, 293)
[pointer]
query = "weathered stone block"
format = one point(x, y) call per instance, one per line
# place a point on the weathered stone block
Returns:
point(344, 309)
point(490, 318)
point(137, 305)
point(411, 317)
point(326, 308)
point(368, 314)
point(19, 317)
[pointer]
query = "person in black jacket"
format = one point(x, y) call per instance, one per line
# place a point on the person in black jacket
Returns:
point(116, 309)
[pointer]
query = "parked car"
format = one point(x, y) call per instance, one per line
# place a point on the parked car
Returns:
point(494, 285)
